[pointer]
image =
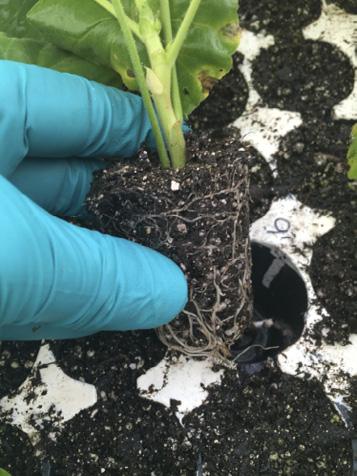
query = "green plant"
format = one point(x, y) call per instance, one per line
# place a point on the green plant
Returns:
point(352, 154)
point(173, 51)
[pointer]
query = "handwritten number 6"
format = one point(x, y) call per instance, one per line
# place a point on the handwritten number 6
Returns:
point(282, 225)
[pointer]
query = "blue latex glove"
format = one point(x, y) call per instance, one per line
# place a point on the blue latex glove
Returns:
point(58, 280)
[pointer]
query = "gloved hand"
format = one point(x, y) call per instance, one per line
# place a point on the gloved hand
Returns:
point(58, 280)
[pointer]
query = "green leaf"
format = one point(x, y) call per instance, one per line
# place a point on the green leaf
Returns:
point(205, 56)
point(86, 29)
point(352, 155)
point(4, 473)
point(89, 31)
point(30, 51)
point(13, 19)
point(20, 41)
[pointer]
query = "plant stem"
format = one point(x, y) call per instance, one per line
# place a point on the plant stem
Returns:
point(176, 99)
point(140, 77)
point(172, 129)
point(159, 80)
point(175, 92)
point(166, 20)
point(175, 47)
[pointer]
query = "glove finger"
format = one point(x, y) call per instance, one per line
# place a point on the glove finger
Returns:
point(45, 113)
point(59, 186)
point(60, 281)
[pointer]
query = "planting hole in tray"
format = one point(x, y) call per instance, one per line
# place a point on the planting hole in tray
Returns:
point(280, 302)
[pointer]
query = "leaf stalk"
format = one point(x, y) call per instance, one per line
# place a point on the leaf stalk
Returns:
point(175, 92)
point(175, 47)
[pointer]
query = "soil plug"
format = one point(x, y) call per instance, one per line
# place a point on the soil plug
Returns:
point(202, 225)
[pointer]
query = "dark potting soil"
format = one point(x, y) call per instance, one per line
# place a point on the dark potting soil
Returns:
point(267, 423)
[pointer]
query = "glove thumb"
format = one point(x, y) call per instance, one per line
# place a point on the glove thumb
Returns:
point(59, 281)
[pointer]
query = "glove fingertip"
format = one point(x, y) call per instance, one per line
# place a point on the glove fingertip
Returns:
point(174, 298)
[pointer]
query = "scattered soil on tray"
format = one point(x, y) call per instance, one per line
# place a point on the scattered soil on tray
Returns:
point(266, 423)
